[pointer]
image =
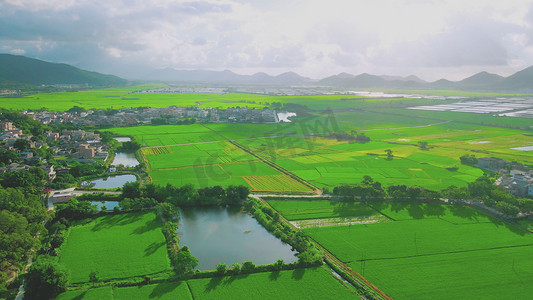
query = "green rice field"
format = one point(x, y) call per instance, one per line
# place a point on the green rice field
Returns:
point(304, 149)
point(215, 164)
point(435, 251)
point(316, 283)
point(318, 209)
point(116, 246)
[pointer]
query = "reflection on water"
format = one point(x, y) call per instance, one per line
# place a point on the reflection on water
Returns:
point(110, 182)
point(127, 159)
point(109, 205)
point(123, 139)
point(225, 235)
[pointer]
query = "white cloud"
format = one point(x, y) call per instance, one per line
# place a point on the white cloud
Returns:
point(313, 37)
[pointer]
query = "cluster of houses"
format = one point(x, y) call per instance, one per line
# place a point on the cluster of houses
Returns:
point(9, 92)
point(516, 179)
point(146, 115)
point(75, 144)
point(244, 115)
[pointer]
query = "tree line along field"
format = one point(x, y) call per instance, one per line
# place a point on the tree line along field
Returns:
point(424, 251)
point(315, 283)
point(115, 246)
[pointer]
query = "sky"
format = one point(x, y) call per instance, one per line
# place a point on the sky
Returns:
point(315, 38)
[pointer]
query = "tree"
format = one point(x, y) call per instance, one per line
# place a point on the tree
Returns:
point(45, 279)
point(278, 265)
point(468, 159)
point(94, 277)
point(481, 187)
point(507, 208)
point(236, 195)
point(131, 190)
point(423, 145)
point(8, 156)
point(247, 267)
point(362, 138)
point(455, 193)
point(166, 210)
point(22, 145)
point(367, 180)
point(221, 268)
point(76, 109)
point(186, 262)
point(236, 267)
point(389, 154)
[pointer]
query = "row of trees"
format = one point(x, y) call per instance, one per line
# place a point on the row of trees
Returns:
point(308, 254)
point(187, 195)
point(482, 188)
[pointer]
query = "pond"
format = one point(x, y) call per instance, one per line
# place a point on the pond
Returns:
point(226, 235)
point(284, 116)
point(123, 139)
point(127, 159)
point(110, 182)
point(109, 205)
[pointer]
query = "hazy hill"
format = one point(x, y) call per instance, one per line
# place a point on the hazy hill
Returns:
point(481, 78)
point(400, 78)
point(25, 70)
point(224, 77)
point(521, 81)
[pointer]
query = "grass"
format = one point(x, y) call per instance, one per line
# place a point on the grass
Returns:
point(314, 283)
point(277, 183)
point(435, 251)
point(487, 274)
point(116, 246)
point(166, 290)
point(318, 209)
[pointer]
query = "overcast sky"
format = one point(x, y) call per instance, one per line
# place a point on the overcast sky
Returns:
point(315, 38)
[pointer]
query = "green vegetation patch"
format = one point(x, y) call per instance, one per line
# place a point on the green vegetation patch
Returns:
point(315, 283)
point(485, 274)
point(435, 251)
point(318, 209)
point(101, 293)
point(115, 246)
point(166, 290)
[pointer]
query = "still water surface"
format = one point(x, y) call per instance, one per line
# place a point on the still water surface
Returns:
point(225, 235)
point(127, 159)
point(111, 182)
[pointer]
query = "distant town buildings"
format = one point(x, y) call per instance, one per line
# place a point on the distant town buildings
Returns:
point(167, 115)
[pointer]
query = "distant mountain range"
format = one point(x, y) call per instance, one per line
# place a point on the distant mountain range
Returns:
point(225, 77)
point(519, 82)
point(20, 70)
point(16, 69)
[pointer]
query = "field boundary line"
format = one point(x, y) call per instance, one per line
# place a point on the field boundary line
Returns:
point(190, 290)
point(277, 167)
point(249, 183)
point(380, 212)
point(443, 253)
